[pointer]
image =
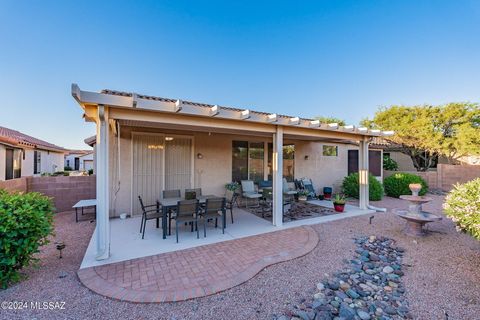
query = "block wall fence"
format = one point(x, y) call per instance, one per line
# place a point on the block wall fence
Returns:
point(65, 191)
point(446, 175)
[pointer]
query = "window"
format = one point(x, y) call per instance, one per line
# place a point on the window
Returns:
point(248, 161)
point(288, 161)
point(256, 163)
point(37, 158)
point(13, 164)
point(330, 151)
point(68, 163)
point(239, 160)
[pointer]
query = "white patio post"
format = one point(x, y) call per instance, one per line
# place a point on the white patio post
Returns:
point(103, 202)
point(277, 174)
point(363, 174)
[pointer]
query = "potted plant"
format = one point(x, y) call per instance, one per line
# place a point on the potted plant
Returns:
point(231, 187)
point(302, 195)
point(339, 203)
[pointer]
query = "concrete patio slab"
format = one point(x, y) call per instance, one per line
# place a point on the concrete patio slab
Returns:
point(126, 242)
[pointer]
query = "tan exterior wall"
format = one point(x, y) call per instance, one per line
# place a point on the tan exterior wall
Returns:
point(214, 169)
point(404, 162)
point(323, 170)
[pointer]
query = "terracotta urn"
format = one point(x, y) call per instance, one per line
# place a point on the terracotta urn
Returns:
point(415, 188)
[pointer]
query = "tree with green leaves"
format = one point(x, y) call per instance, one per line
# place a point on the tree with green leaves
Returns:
point(426, 132)
point(331, 120)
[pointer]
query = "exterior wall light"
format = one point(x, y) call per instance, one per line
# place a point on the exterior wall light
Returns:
point(199, 156)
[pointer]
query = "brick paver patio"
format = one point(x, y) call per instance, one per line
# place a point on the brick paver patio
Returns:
point(199, 271)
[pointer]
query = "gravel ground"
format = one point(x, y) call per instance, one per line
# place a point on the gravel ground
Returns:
point(441, 276)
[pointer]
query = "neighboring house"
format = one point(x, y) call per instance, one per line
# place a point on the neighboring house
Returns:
point(22, 155)
point(91, 141)
point(79, 160)
point(148, 144)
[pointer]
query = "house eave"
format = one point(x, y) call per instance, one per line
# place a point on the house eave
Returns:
point(134, 102)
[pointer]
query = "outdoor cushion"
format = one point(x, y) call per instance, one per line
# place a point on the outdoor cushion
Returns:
point(265, 184)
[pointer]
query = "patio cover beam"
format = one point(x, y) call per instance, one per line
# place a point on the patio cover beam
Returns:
point(277, 166)
point(363, 173)
point(103, 188)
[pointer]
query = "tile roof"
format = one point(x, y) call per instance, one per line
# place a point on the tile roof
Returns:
point(82, 152)
point(20, 139)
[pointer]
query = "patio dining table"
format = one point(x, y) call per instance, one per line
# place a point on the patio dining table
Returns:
point(171, 203)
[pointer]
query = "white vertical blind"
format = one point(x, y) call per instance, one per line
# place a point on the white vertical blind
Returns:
point(148, 168)
point(178, 163)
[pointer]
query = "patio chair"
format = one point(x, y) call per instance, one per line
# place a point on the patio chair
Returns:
point(214, 208)
point(192, 193)
point(249, 192)
point(149, 214)
point(288, 192)
point(187, 212)
point(267, 201)
point(167, 194)
point(231, 202)
point(171, 194)
point(308, 186)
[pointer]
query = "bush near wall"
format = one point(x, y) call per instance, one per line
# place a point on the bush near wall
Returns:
point(462, 205)
point(350, 187)
point(26, 221)
point(397, 184)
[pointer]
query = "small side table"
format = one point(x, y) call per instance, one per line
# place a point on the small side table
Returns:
point(84, 204)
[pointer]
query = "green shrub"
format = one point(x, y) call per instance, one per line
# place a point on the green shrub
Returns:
point(60, 173)
point(90, 172)
point(389, 164)
point(462, 205)
point(350, 187)
point(397, 184)
point(67, 168)
point(26, 221)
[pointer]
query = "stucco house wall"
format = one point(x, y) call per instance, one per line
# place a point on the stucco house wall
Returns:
point(2, 162)
point(27, 163)
point(214, 169)
point(404, 161)
point(51, 161)
point(85, 161)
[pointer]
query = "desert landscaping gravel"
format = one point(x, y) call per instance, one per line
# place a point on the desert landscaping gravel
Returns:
point(441, 275)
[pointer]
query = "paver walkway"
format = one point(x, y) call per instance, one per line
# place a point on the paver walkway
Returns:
point(199, 271)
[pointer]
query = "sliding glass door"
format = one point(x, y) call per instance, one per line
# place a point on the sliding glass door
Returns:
point(250, 163)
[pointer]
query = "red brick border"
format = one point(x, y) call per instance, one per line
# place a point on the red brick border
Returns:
point(199, 271)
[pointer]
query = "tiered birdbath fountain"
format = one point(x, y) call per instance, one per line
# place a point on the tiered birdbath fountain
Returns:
point(415, 217)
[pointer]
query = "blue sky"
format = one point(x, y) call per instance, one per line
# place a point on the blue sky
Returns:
point(331, 58)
